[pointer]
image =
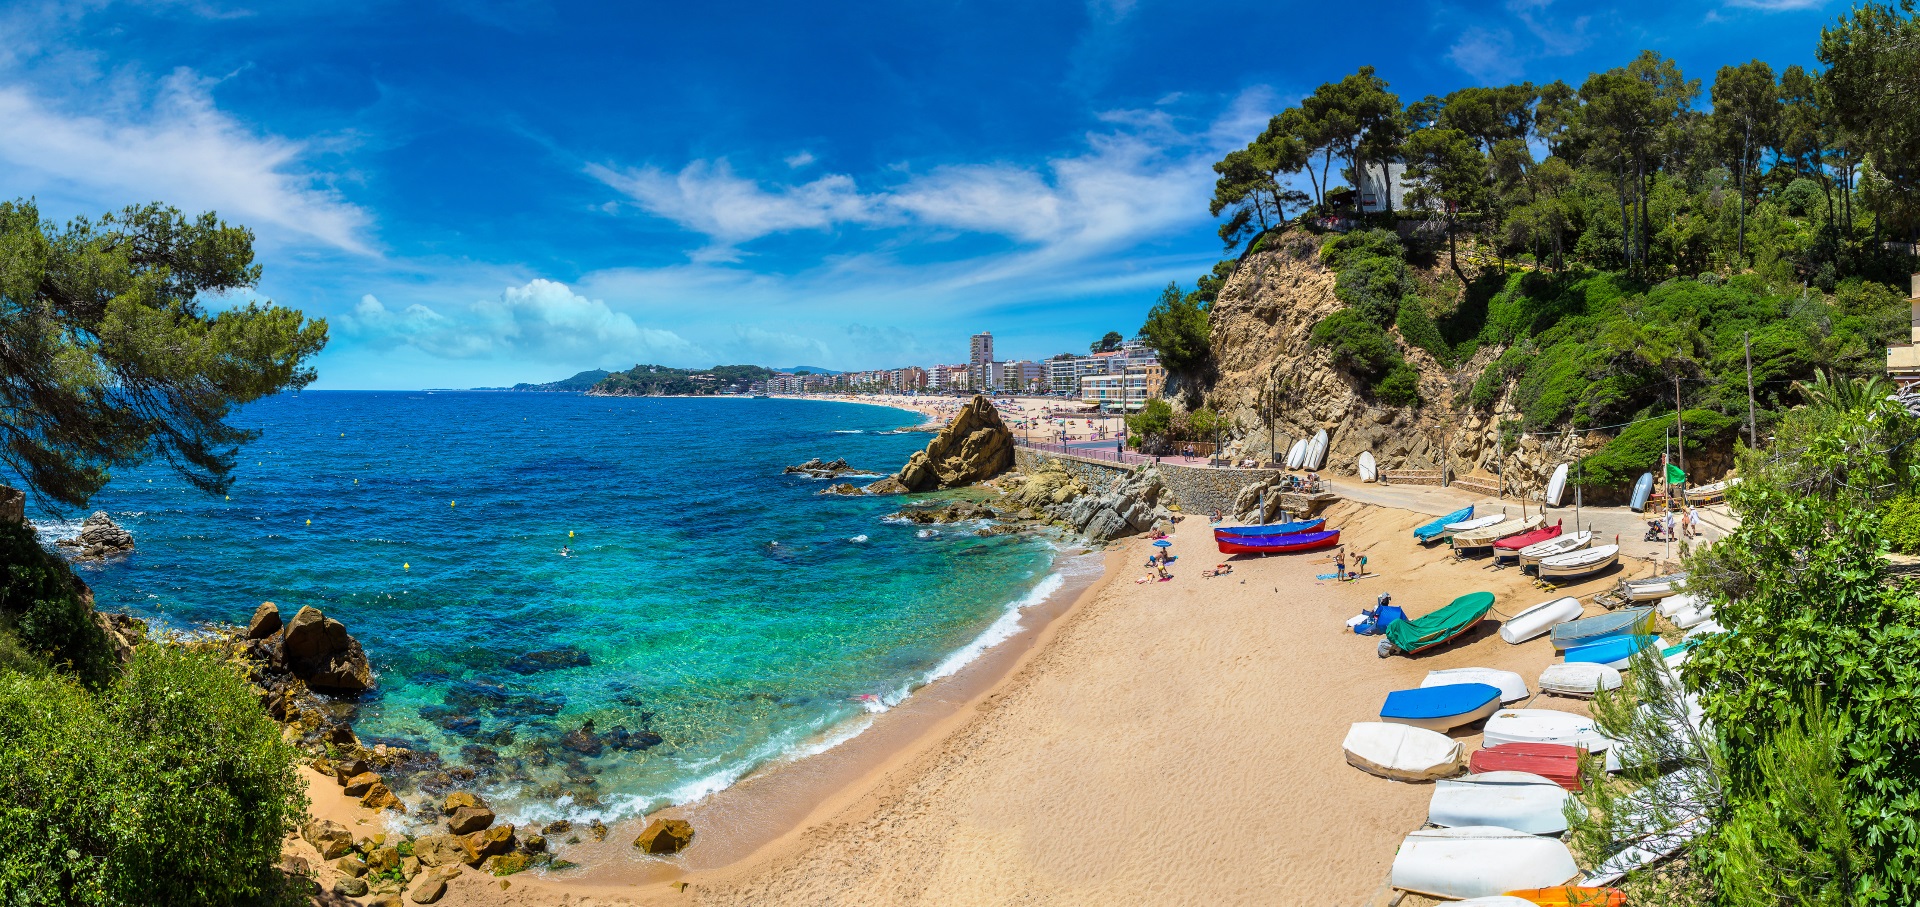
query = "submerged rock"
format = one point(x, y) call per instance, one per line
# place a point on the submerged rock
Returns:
point(550, 660)
point(955, 512)
point(99, 537)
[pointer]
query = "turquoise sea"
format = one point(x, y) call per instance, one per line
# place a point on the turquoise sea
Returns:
point(709, 602)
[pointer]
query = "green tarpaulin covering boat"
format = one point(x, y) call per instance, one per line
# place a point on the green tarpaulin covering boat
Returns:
point(1415, 634)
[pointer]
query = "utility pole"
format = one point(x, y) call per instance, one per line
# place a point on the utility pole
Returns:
point(1679, 429)
point(1753, 431)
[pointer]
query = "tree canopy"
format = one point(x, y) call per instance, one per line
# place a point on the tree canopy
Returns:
point(132, 338)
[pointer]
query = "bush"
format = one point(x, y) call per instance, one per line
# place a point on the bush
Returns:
point(1637, 449)
point(41, 599)
point(169, 786)
point(1419, 330)
point(1373, 286)
point(1338, 251)
point(1900, 523)
point(1356, 344)
point(1401, 386)
point(1153, 419)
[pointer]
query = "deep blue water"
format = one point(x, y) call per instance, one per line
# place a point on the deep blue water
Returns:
point(723, 606)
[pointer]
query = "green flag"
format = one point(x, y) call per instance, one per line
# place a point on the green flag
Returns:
point(1675, 476)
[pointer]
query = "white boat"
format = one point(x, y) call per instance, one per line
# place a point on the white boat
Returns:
point(1557, 485)
point(1539, 619)
point(1705, 628)
point(1478, 861)
point(1579, 679)
point(1577, 564)
point(1522, 801)
point(1531, 555)
point(1316, 451)
point(1402, 752)
point(1708, 494)
point(1674, 604)
point(1485, 536)
point(1479, 522)
point(1648, 850)
point(1369, 471)
point(1296, 453)
point(1694, 616)
point(1512, 686)
point(1548, 726)
point(1650, 588)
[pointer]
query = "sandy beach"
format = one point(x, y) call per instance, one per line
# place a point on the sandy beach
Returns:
point(1155, 742)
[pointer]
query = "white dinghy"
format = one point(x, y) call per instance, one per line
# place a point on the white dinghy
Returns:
point(1674, 604)
point(1522, 801)
point(1479, 861)
point(1651, 588)
point(1512, 686)
point(1316, 451)
point(1577, 564)
point(1580, 679)
point(1402, 752)
point(1368, 469)
point(1548, 726)
point(1688, 618)
point(1296, 453)
point(1539, 619)
point(1531, 555)
point(1557, 485)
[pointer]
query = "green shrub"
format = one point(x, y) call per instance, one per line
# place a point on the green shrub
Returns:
point(1900, 523)
point(1802, 197)
point(1356, 343)
point(1637, 449)
point(1361, 244)
point(1419, 330)
point(40, 598)
point(169, 786)
point(1400, 387)
point(1373, 286)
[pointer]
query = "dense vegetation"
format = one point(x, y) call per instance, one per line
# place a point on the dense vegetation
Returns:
point(579, 383)
point(661, 381)
point(159, 781)
point(1618, 242)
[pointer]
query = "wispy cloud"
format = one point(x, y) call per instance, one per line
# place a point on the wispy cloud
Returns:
point(1775, 6)
point(175, 144)
point(707, 197)
point(1493, 53)
point(543, 320)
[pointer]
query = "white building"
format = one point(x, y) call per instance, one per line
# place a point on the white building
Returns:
point(1388, 180)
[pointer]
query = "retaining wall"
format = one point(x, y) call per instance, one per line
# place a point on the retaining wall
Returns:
point(1197, 489)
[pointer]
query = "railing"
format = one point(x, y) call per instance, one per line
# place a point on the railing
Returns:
point(1107, 452)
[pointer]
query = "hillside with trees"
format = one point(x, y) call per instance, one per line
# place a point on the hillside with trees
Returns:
point(661, 381)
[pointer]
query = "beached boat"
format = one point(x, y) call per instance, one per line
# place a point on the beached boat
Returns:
point(1705, 628)
point(1296, 453)
point(1710, 494)
point(1539, 619)
point(1557, 485)
point(1368, 470)
point(1688, 618)
point(1512, 686)
point(1402, 752)
point(1652, 588)
point(1270, 529)
point(1411, 635)
point(1522, 801)
point(1555, 762)
point(1548, 726)
point(1578, 564)
point(1509, 547)
point(1589, 630)
point(1472, 525)
point(1427, 532)
point(1316, 452)
point(1441, 708)
point(1581, 679)
point(1677, 655)
point(1642, 488)
point(1478, 861)
point(1279, 544)
point(1615, 652)
point(1570, 896)
point(1674, 604)
point(1649, 850)
point(1486, 536)
point(1531, 555)
point(1498, 900)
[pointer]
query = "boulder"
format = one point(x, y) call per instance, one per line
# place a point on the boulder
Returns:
point(974, 447)
point(122, 631)
point(599, 830)
point(385, 900)
point(381, 860)
point(379, 796)
point(266, 621)
point(428, 889)
point(507, 864)
point(99, 537)
point(461, 798)
point(491, 841)
point(350, 887)
point(327, 836)
point(352, 864)
point(821, 469)
point(13, 506)
point(358, 785)
point(469, 819)
point(444, 850)
point(665, 836)
point(319, 650)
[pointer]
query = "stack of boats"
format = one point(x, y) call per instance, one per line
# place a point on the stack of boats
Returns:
point(1548, 551)
point(1277, 538)
point(1492, 833)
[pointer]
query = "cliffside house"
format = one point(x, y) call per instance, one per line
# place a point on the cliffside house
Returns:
point(1903, 359)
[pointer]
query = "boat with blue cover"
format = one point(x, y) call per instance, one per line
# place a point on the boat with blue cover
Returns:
point(1294, 528)
point(1279, 544)
point(1441, 708)
point(1590, 630)
point(1430, 531)
point(1616, 652)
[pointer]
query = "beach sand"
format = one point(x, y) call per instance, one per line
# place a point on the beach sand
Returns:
point(1159, 742)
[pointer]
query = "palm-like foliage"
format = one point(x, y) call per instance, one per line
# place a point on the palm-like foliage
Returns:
point(1841, 395)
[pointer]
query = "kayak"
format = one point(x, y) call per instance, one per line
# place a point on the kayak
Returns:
point(1279, 544)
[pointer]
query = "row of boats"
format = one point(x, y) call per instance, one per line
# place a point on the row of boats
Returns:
point(1548, 551)
point(1492, 835)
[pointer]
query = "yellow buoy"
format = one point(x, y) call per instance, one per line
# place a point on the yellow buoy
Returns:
point(569, 533)
point(229, 497)
point(309, 522)
point(406, 567)
point(356, 481)
point(451, 503)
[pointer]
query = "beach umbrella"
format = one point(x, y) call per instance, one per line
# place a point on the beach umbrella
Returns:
point(1162, 543)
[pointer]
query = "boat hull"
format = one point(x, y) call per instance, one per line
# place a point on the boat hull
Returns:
point(1522, 801)
point(1401, 752)
point(1652, 588)
point(1484, 538)
point(1641, 490)
point(1539, 619)
point(1427, 532)
point(1294, 528)
point(1571, 896)
point(1564, 567)
point(1616, 652)
point(1548, 726)
point(1369, 471)
point(1280, 544)
point(1580, 679)
point(1512, 686)
point(1479, 861)
point(1441, 708)
point(1587, 631)
point(1531, 555)
point(1555, 762)
point(1557, 485)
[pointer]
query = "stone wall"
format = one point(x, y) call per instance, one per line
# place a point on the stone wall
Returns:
point(1196, 489)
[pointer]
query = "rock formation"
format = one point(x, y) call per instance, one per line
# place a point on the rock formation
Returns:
point(319, 650)
point(822, 469)
point(665, 836)
point(13, 506)
point(955, 512)
point(100, 537)
point(1131, 504)
point(974, 447)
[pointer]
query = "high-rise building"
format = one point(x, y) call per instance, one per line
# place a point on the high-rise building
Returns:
point(980, 362)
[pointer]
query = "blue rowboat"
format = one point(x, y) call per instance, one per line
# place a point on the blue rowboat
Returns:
point(1642, 488)
point(1589, 630)
point(1244, 532)
point(1441, 708)
point(1616, 652)
point(1432, 530)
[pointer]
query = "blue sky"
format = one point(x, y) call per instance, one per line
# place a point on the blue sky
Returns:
point(486, 193)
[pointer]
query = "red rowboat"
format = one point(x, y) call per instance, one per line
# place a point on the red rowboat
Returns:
point(1517, 542)
point(1555, 762)
point(1279, 544)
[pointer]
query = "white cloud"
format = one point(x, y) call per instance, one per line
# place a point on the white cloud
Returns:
point(708, 198)
point(543, 320)
point(1486, 54)
point(177, 147)
point(799, 159)
point(1775, 6)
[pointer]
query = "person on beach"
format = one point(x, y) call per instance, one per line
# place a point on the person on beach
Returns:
point(1360, 567)
point(1669, 526)
point(1162, 570)
point(1340, 563)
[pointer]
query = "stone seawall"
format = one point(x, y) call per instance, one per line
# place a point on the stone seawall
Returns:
point(1198, 490)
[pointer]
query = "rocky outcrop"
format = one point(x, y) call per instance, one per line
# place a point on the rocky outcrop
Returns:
point(13, 506)
point(821, 469)
point(665, 836)
point(974, 447)
point(1130, 505)
point(319, 651)
point(100, 537)
point(955, 512)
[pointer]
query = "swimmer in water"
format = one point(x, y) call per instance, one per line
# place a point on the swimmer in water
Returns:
point(566, 551)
